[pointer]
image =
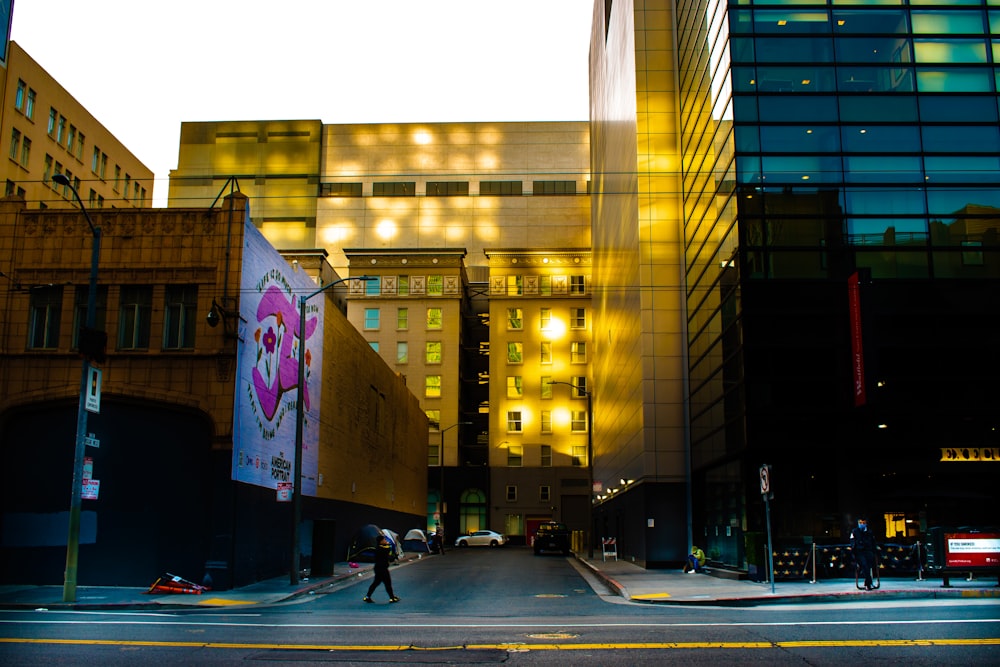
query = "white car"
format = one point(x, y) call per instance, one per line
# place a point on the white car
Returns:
point(481, 538)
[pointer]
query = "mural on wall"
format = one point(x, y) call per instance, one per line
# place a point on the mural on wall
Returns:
point(264, 428)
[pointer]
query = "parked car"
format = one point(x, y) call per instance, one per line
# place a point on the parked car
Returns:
point(481, 538)
point(552, 536)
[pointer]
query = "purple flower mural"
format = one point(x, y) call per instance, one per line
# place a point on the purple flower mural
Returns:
point(278, 348)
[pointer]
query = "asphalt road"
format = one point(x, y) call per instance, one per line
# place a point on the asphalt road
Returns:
point(507, 606)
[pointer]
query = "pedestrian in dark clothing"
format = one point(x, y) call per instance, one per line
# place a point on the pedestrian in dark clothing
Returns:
point(382, 576)
point(863, 546)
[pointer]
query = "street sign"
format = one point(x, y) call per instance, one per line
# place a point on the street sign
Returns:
point(91, 489)
point(91, 441)
point(93, 402)
point(284, 492)
point(765, 480)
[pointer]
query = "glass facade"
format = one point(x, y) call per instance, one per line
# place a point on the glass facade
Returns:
point(822, 138)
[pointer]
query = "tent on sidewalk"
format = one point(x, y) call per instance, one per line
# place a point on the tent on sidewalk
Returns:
point(364, 543)
point(397, 544)
point(416, 541)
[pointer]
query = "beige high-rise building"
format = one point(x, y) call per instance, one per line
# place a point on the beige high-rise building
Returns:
point(46, 131)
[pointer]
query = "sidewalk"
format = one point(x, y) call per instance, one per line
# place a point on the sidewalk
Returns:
point(625, 579)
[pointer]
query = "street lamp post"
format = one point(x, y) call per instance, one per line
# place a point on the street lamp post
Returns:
point(590, 463)
point(299, 421)
point(76, 495)
point(441, 466)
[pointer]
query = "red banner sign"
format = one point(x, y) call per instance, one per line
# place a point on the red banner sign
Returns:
point(962, 550)
point(857, 347)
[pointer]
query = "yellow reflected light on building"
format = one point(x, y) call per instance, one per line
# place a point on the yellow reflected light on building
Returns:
point(386, 230)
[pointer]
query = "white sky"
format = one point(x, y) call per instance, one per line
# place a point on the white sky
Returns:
point(142, 67)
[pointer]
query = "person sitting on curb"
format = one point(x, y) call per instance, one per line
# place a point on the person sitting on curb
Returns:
point(695, 561)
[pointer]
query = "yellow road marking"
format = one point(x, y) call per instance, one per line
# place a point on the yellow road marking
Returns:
point(613, 646)
point(218, 602)
point(650, 596)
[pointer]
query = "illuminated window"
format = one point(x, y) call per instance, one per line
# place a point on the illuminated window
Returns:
point(403, 286)
point(402, 319)
point(545, 285)
point(515, 453)
point(435, 285)
point(515, 285)
point(433, 419)
point(545, 391)
point(515, 353)
point(578, 352)
point(514, 388)
point(432, 352)
point(546, 456)
point(544, 318)
point(402, 352)
point(515, 319)
point(432, 386)
point(579, 455)
point(513, 421)
point(546, 425)
point(433, 318)
point(578, 421)
point(578, 318)
point(546, 352)
point(579, 386)
point(372, 318)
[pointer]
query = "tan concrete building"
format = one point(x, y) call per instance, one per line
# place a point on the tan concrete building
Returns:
point(175, 432)
point(46, 131)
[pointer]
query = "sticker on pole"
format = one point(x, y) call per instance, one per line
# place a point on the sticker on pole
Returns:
point(284, 492)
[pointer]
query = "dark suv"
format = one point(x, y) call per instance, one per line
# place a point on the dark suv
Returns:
point(552, 536)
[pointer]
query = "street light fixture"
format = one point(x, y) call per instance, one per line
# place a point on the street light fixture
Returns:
point(441, 465)
point(590, 462)
point(299, 420)
point(76, 495)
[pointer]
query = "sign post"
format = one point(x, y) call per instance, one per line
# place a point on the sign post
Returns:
point(765, 491)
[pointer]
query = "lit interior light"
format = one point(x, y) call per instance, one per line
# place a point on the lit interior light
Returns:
point(841, 22)
point(862, 131)
point(809, 131)
point(805, 177)
point(806, 82)
point(883, 426)
point(782, 22)
point(753, 82)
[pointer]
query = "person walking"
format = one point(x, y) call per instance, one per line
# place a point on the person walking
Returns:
point(863, 547)
point(382, 553)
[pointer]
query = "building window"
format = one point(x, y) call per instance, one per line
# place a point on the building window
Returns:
point(15, 143)
point(402, 352)
point(61, 130)
point(546, 421)
point(118, 178)
point(53, 115)
point(578, 318)
point(515, 285)
point(403, 286)
point(71, 138)
point(46, 308)
point(513, 421)
point(432, 386)
point(339, 189)
point(394, 189)
point(433, 419)
point(447, 189)
point(432, 352)
point(546, 352)
point(544, 318)
point(372, 318)
point(514, 387)
point(402, 319)
point(544, 493)
point(546, 456)
point(95, 160)
point(554, 187)
point(373, 344)
point(515, 319)
point(134, 317)
point(25, 152)
point(515, 353)
point(545, 391)
point(128, 184)
point(80, 139)
point(373, 287)
point(180, 316)
point(579, 455)
point(579, 389)
point(80, 311)
point(545, 285)
point(511, 493)
point(578, 421)
point(500, 188)
point(104, 165)
point(435, 285)
point(433, 318)
point(22, 89)
point(29, 109)
point(578, 352)
point(577, 285)
point(433, 458)
point(515, 454)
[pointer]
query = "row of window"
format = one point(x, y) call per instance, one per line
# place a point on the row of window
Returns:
point(20, 148)
point(538, 285)
point(515, 456)
point(65, 134)
point(24, 99)
point(819, 21)
point(515, 319)
point(373, 319)
point(515, 422)
point(406, 285)
point(544, 493)
point(135, 311)
point(447, 188)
